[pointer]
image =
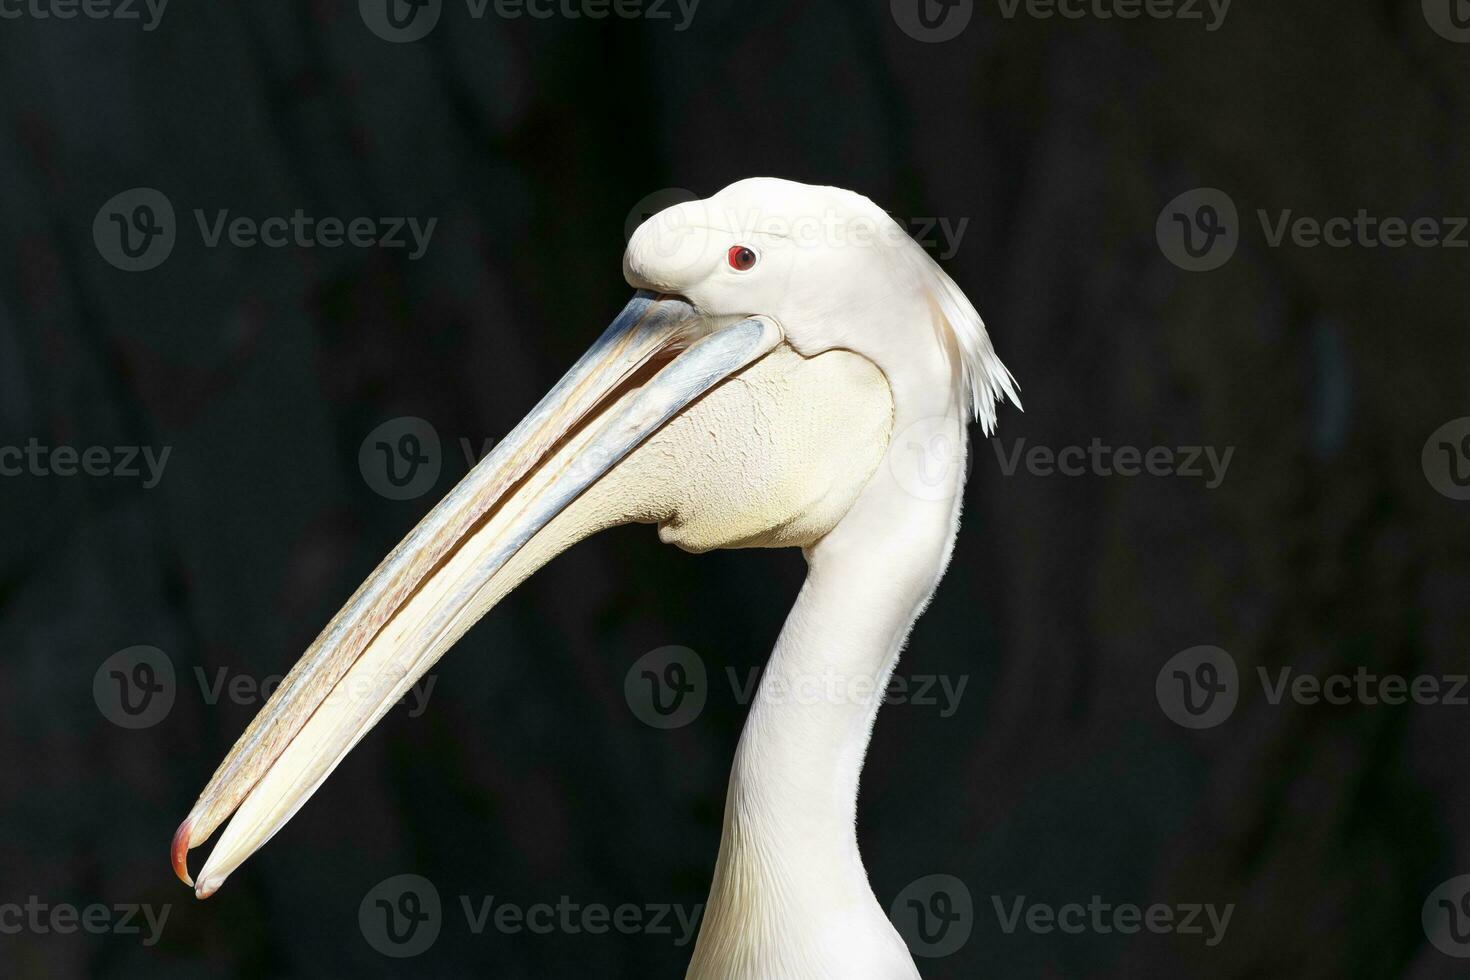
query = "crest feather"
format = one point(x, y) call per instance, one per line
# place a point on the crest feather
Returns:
point(983, 375)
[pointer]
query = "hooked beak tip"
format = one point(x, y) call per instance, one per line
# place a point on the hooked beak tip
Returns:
point(180, 852)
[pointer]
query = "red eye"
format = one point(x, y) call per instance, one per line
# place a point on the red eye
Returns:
point(742, 259)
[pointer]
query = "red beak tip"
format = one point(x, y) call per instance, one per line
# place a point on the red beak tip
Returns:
point(180, 853)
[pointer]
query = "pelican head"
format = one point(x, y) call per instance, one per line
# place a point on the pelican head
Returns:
point(834, 271)
point(755, 392)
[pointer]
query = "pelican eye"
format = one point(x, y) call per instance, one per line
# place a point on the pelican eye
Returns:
point(742, 258)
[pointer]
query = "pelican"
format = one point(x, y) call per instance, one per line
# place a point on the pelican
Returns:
point(787, 357)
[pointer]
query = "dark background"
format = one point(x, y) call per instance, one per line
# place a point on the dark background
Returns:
point(528, 778)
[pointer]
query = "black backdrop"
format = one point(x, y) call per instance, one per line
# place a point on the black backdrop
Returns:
point(1055, 152)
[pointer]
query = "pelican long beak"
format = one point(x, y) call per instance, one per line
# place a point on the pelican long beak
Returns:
point(461, 559)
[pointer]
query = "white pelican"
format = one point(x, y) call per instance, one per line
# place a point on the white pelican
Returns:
point(762, 388)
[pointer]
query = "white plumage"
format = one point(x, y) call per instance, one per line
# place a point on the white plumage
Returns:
point(808, 337)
